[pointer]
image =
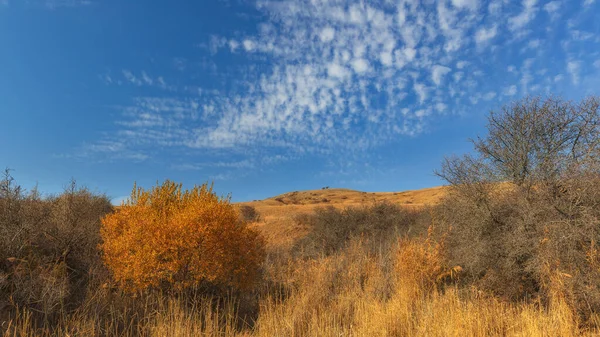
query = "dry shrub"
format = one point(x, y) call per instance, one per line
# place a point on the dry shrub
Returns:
point(249, 213)
point(48, 254)
point(168, 237)
point(331, 228)
point(525, 208)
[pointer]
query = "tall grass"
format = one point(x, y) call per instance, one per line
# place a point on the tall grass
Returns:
point(400, 293)
point(158, 316)
point(402, 290)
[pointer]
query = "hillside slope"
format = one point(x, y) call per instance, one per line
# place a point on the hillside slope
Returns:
point(278, 213)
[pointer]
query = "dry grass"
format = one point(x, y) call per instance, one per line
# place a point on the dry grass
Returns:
point(170, 318)
point(401, 291)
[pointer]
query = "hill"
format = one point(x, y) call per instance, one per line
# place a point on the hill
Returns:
point(278, 213)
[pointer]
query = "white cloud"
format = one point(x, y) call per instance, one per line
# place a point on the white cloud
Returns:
point(597, 64)
point(327, 34)
point(356, 14)
point(461, 64)
point(106, 78)
point(573, 68)
point(409, 54)
point(489, 96)
point(588, 2)
point(518, 22)
point(131, 78)
point(483, 35)
point(321, 74)
point(526, 76)
point(386, 58)
point(552, 8)
point(147, 78)
point(336, 70)
point(438, 72)
point(580, 35)
point(422, 113)
point(360, 65)
point(241, 164)
point(248, 45)
point(495, 7)
point(143, 80)
point(451, 28)
point(470, 4)
point(510, 91)
point(421, 91)
point(233, 45)
point(535, 43)
point(54, 4)
point(458, 76)
point(558, 78)
point(110, 150)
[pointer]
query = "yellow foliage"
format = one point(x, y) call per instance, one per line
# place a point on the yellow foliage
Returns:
point(180, 238)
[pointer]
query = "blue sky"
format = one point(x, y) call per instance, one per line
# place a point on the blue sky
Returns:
point(265, 97)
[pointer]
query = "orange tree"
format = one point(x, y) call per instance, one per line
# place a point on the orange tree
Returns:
point(178, 238)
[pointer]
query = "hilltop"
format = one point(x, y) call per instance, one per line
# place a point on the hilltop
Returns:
point(277, 213)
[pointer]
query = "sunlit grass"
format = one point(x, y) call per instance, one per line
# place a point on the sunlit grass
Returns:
point(396, 292)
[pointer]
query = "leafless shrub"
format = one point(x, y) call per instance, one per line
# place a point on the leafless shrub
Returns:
point(249, 213)
point(48, 251)
point(331, 229)
point(525, 206)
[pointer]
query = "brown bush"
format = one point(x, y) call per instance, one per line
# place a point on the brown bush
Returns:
point(525, 208)
point(249, 213)
point(331, 228)
point(48, 248)
point(179, 239)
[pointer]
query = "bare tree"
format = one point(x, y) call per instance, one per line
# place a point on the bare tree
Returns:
point(529, 142)
point(527, 201)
